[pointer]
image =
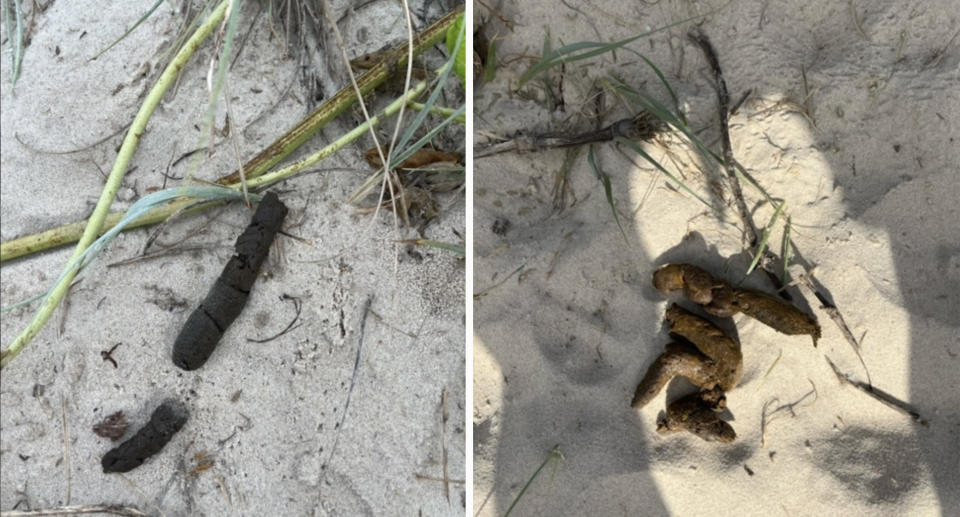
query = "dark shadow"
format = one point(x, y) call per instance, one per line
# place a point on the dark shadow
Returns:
point(570, 364)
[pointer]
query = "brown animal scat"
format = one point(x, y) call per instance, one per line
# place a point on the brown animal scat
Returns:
point(711, 341)
point(699, 286)
point(696, 414)
point(720, 299)
point(777, 314)
point(696, 283)
point(681, 359)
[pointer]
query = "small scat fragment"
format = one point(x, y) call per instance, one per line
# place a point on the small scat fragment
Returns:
point(112, 427)
point(165, 421)
point(709, 359)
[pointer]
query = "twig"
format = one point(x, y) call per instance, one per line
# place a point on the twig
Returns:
point(766, 418)
point(729, 164)
point(424, 477)
point(114, 509)
point(878, 394)
point(444, 416)
point(297, 304)
point(353, 382)
point(66, 445)
point(158, 254)
point(856, 21)
point(642, 126)
point(837, 318)
point(392, 326)
point(107, 355)
point(484, 292)
point(723, 107)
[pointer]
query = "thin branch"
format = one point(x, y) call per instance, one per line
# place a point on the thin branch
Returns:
point(114, 509)
point(767, 417)
point(297, 305)
point(878, 394)
point(353, 382)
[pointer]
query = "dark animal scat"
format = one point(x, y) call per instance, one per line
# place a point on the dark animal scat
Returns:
point(165, 421)
point(203, 329)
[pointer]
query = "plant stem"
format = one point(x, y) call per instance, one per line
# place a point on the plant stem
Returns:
point(342, 100)
point(258, 165)
point(340, 143)
point(554, 454)
point(95, 224)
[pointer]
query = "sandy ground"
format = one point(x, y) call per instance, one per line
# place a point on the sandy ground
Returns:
point(568, 321)
point(268, 415)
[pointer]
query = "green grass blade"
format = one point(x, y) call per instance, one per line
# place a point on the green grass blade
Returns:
point(454, 39)
point(666, 84)
point(130, 30)
point(766, 237)
point(137, 210)
point(490, 69)
point(607, 190)
point(416, 146)
point(15, 35)
point(120, 166)
point(587, 49)
point(639, 150)
point(438, 110)
point(432, 98)
point(554, 454)
point(223, 63)
point(785, 251)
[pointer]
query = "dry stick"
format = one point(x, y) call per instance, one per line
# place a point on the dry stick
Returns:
point(729, 164)
point(159, 254)
point(641, 126)
point(353, 382)
point(837, 318)
point(424, 477)
point(297, 305)
point(484, 292)
point(723, 106)
point(444, 416)
point(766, 418)
point(66, 445)
point(114, 509)
point(882, 396)
point(732, 166)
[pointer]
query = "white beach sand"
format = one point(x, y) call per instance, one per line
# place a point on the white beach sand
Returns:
point(568, 321)
point(268, 414)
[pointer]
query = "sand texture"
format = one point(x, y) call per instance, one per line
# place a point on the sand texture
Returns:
point(853, 122)
point(267, 434)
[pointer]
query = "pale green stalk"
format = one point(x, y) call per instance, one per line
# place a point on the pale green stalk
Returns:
point(130, 142)
point(340, 143)
point(437, 110)
point(766, 237)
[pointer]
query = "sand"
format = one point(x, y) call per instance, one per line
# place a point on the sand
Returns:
point(853, 121)
point(270, 416)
